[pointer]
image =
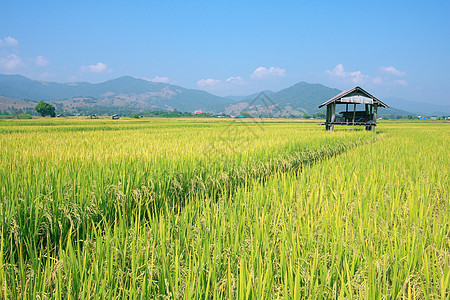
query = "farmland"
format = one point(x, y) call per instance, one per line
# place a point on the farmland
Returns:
point(192, 208)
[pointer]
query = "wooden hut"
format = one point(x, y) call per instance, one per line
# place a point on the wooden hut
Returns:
point(353, 115)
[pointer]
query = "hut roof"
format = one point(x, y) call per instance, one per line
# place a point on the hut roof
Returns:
point(356, 91)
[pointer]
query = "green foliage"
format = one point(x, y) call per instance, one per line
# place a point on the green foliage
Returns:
point(321, 115)
point(245, 114)
point(22, 116)
point(176, 114)
point(45, 109)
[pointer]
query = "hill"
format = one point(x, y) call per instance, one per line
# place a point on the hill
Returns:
point(298, 100)
point(126, 95)
point(420, 108)
point(248, 98)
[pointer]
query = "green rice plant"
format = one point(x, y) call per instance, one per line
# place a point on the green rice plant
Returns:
point(296, 213)
point(55, 180)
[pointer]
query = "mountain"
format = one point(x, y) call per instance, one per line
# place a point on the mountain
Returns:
point(20, 87)
point(304, 96)
point(298, 100)
point(248, 98)
point(127, 93)
point(9, 104)
point(420, 108)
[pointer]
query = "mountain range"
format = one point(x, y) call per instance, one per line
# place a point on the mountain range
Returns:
point(126, 95)
point(420, 108)
point(124, 92)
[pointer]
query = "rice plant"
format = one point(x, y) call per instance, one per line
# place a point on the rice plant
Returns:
point(184, 209)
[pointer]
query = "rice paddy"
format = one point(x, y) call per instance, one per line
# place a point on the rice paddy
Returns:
point(223, 209)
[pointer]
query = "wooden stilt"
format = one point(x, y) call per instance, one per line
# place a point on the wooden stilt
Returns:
point(354, 113)
point(333, 115)
point(328, 120)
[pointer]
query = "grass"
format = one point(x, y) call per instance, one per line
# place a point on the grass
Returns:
point(223, 209)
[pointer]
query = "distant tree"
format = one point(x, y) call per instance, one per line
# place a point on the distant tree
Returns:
point(23, 116)
point(320, 115)
point(45, 109)
point(245, 114)
point(20, 114)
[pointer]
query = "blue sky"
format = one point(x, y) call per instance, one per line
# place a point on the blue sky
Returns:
point(391, 48)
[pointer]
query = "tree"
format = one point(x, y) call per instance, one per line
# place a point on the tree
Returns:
point(245, 114)
point(45, 109)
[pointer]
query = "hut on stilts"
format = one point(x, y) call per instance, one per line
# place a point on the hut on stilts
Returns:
point(352, 116)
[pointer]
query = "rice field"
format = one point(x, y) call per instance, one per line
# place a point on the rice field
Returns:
point(223, 209)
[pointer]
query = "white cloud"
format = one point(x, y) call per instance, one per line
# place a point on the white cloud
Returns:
point(160, 79)
point(208, 83)
point(235, 80)
point(215, 84)
point(393, 71)
point(8, 41)
point(42, 61)
point(339, 72)
point(97, 68)
point(10, 62)
point(402, 82)
point(231, 85)
point(357, 76)
point(262, 72)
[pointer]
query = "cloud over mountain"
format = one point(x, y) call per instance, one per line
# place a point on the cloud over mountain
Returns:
point(10, 62)
point(42, 61)
point(340, 73)
point(262, 72)
point(97, 68)
point(393, 71)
